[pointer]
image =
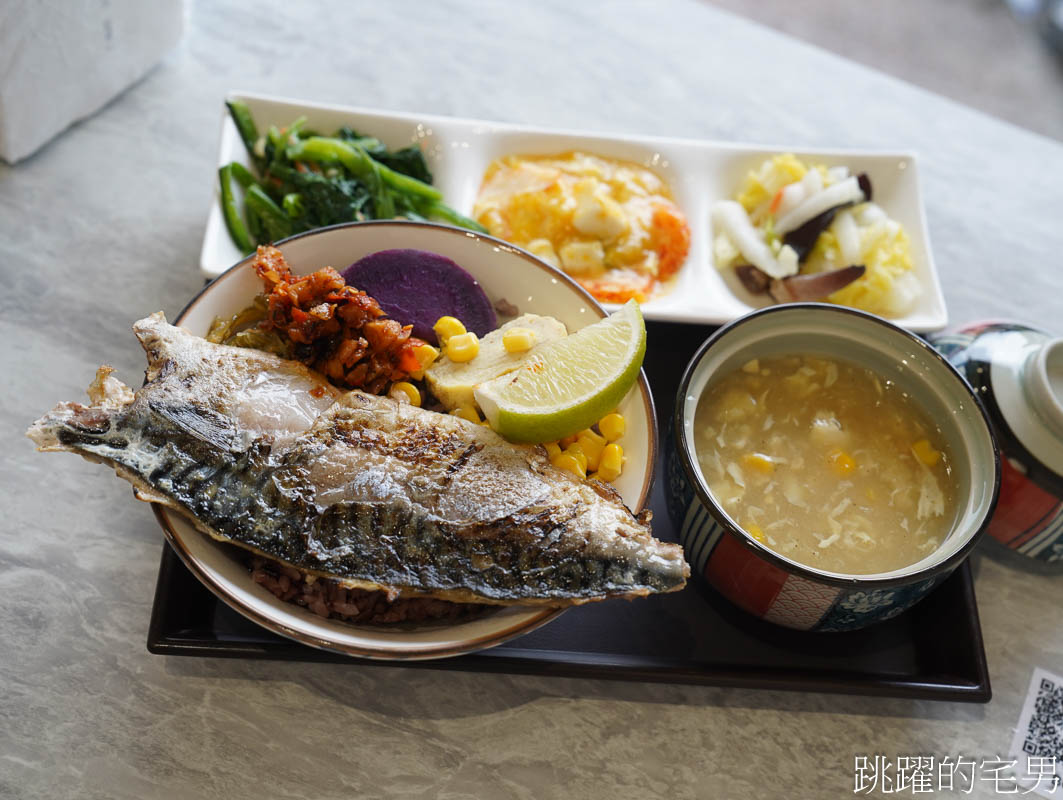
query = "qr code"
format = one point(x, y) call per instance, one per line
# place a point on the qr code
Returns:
point(1044, 733)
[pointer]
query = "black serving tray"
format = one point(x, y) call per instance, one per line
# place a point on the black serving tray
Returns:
point(932, 651)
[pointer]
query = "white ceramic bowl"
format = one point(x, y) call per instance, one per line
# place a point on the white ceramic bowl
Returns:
point(779, 589)
point(699, 173)
point(504, 272)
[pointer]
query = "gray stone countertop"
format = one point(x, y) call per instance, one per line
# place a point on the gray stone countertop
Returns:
point(105, 224)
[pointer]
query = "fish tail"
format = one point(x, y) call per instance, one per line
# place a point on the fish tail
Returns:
point(70, 424)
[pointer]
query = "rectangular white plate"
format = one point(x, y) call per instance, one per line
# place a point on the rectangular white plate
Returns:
point(698, 172)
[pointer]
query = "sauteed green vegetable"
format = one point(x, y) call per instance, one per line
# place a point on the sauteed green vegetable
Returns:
point(308, 181)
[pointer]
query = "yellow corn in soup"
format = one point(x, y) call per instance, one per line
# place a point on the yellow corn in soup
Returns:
point(826, 463)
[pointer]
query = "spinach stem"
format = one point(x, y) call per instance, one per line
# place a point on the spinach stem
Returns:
point(360, 163)
point(245, 125)
point(274, 219)
point(237, 229)
point(444, 212)
point(242, 174)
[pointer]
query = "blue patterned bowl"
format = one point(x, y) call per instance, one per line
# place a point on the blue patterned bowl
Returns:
point(773, 587)
point(1017, 371)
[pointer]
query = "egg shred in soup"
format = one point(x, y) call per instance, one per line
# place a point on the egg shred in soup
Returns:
point(611, 225)
point(826, 463)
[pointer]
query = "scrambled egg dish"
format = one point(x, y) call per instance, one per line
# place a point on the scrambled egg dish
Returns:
point(611, 225)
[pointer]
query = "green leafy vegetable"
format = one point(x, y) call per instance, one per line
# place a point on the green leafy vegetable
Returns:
point(245, 124)
point(409, 161)
point(237, 230)
point(276, 222)
point(306, 181)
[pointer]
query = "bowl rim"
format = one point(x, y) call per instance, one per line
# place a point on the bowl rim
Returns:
point(539, 616)
point(793, 567)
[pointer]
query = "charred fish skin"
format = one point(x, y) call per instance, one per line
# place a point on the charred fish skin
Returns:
point(245, 498)
point(375, 493)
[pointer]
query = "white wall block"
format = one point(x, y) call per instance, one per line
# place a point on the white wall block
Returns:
point(63, 60)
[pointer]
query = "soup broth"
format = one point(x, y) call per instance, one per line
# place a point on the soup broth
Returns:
point(826, 463)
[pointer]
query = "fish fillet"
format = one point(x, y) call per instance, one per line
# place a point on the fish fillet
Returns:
point(263, 453)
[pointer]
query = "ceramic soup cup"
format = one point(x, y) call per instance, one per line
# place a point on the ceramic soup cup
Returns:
point(769, 585)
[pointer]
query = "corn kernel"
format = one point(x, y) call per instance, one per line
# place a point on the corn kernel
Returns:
point(518, 340)
point(612, 426)
point(759, 462)
point(462, 347)
point(926, 453)
point(606, 473)
point(467, 412)
point(567, 441)
point(592, 435)
point(592, 445)
point(612, 459)
point(755, 531)
point(577, 453)
point(553, 449)
point(446, 327)
point(841, 461)
point(569, 462)
point(404, 391)
point(426, 356)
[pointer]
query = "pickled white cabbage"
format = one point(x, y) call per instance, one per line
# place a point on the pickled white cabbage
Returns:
point(782, 194)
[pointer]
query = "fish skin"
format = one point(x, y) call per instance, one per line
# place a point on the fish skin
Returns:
point(360, 488)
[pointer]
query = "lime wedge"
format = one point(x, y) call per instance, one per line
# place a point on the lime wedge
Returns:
point(570, 383)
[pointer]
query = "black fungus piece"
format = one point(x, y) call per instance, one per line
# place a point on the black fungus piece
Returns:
point(755, 280)
point(803, 239)
point(800, 288)
point(864, 182)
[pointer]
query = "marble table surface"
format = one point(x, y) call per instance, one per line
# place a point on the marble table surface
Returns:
point(105, 224)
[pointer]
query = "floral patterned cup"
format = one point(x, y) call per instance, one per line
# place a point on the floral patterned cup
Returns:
point(771, 586)
point(1017, 371)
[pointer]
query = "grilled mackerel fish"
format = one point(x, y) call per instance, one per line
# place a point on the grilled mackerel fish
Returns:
point(265, 454)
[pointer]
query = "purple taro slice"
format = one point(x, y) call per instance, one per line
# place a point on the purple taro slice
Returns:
point(418, 287)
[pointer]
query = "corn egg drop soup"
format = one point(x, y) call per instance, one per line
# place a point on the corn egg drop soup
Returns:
point(826, 463)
